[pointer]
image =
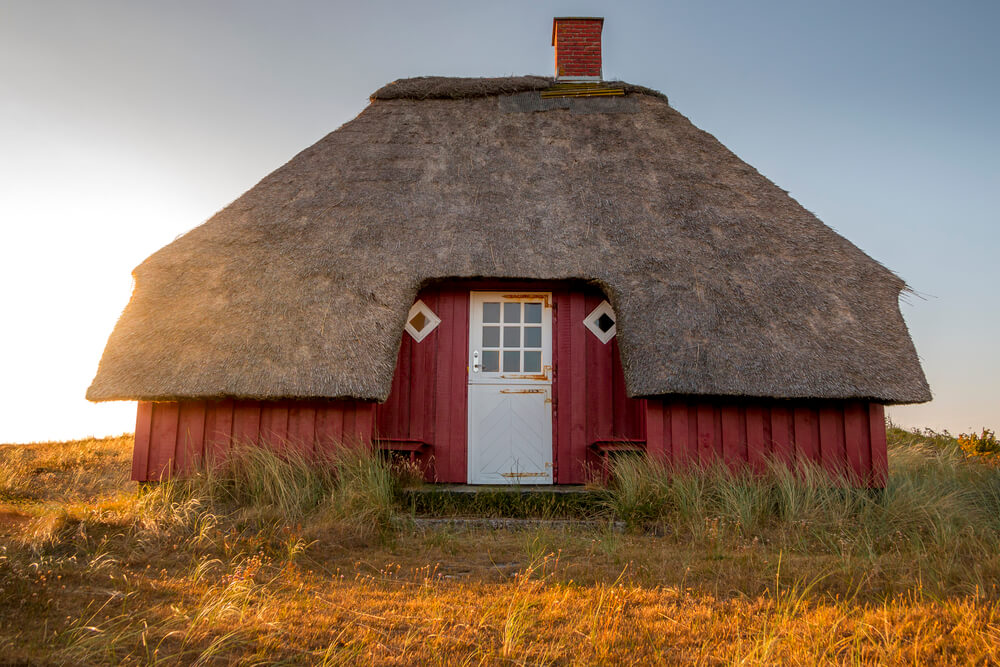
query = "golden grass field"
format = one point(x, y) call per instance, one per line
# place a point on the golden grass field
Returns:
point(271, 562)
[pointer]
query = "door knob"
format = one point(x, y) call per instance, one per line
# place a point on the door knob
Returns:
point(475, 361)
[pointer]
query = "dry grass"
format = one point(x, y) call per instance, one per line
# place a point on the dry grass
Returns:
point(267, 561)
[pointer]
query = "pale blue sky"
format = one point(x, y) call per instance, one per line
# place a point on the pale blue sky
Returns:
point(123, 124)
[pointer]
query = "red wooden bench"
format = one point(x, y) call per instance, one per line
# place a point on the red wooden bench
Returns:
point(410, 447)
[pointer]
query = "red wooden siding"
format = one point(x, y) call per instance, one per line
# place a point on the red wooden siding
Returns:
point(427, 403)
point(844, 437)
point(879, 447)
point(426, 410)
point(140, 452)
point(591, 405)
point(172, 437)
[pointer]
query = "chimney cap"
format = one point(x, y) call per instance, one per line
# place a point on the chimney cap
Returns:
point(572, 18)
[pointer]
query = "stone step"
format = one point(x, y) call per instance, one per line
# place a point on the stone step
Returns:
point(465, 524)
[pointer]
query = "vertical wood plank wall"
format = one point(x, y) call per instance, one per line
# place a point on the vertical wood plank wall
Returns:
point(427, 401)
point(591, 404)
point(844, 437)
point(427, 404)
point(172, 437)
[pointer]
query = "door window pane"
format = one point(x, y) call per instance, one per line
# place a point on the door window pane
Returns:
point(491, 336)
point(532, 337)
point(512, 336)
point(533, 361)
point(511, 313)
point(491, 312)
point(511, 361)
point(533, 313)
point(491, 361)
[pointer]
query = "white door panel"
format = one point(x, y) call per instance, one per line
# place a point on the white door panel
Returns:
point(512, 435)
point(510, 388)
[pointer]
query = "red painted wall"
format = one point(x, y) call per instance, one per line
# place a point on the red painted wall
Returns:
point(428, 397)
point(172, 437)
point(844, 437)
point(429, 391)
point(591, 403)
point(427, 406)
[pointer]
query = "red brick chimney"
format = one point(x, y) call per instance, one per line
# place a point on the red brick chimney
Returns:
point(578, 47)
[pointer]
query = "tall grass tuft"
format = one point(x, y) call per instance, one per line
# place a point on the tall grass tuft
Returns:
point(365, 489)
point(745, 498)
point(938, 506)
point(640, 491)
point(289, 482)
point(354, 486)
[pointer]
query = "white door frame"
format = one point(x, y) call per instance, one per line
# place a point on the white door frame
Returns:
point(510, 388)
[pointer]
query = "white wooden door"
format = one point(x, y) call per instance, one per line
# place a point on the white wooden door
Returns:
point(510, 388)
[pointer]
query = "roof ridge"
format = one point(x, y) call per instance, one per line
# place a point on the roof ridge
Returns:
point(456, 87)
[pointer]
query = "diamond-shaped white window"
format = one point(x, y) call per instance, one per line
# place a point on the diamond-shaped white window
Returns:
point(601, 322)
point(421, 320)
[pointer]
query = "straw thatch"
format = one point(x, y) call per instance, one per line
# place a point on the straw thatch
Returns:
point(722, 283)
point(456, 88)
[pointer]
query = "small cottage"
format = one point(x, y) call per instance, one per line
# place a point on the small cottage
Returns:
point(509, 280)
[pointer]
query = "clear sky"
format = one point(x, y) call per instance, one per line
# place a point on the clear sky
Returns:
point(123, 124)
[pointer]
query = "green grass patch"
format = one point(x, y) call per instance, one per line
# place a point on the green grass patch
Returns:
point(515, 503)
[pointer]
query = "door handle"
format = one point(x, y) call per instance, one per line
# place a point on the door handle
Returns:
point(475, 361)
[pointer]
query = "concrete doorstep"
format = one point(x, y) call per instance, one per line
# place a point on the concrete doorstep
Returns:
point(501, 523)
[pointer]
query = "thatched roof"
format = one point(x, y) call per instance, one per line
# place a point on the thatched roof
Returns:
point(722, 283)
